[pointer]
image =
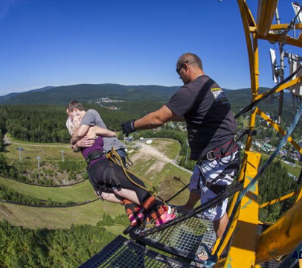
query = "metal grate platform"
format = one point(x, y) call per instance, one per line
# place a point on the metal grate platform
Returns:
point(123, 253)
point(182, 239)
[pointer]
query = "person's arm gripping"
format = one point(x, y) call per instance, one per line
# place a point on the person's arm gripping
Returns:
point(155, 119)
point(99, 131)
point(79, 134)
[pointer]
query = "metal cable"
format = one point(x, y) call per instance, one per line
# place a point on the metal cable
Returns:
point(270, 92)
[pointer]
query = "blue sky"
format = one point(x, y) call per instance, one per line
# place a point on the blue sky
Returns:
point(65, 42)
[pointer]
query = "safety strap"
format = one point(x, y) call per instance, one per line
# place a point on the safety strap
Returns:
point(94, 155)
point(109, 173)
point(221, 151)
point(115, 158)
point(152, 208)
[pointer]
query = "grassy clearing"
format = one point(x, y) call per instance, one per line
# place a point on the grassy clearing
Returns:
point(167, 146)
point(58, 218)
point(47, 151)
point(160, 174)
point(172, 180)
point(76, 193)
point(292, 170)
point(168, 181)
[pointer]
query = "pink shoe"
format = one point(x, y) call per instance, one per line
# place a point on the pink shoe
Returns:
point(165, 217)
point(133, 218)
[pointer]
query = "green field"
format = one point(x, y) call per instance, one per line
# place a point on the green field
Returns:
point(77, 193)
point(167, 179)
point(47, 151)
point(292, 170)
point(170, 149)
point(58, 218)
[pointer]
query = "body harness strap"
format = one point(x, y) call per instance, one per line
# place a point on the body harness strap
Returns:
point(109, 176)
point(115, 158)
point(227, 149)
point(221, 151)
point(94, 155)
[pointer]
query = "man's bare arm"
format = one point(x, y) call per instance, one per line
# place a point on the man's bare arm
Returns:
point(79, 133)
point(96, 130)
point(155, 119)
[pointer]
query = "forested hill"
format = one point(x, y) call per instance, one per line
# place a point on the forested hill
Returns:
point(91, 93)
point(88, 92)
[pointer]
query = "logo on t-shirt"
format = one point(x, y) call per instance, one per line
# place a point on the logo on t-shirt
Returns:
point(218, 95)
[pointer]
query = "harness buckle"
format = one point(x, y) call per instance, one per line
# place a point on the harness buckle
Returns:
point(211, 155)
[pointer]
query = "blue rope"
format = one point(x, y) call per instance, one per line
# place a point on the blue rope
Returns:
point(254, 180)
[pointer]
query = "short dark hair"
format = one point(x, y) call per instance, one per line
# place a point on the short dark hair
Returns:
point(74, 105)
point(190, 58)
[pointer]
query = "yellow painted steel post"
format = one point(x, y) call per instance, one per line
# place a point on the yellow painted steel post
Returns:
point(299, 197)
point(242, 250)
point(248, 23)
point(282, 237)
point(265, 15)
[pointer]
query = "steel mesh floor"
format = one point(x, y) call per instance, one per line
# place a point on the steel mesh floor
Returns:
point(183, 239)
point(123, 253)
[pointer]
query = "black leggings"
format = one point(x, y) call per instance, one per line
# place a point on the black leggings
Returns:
point(100, 177)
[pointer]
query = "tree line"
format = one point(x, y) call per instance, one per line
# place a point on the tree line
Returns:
point(273, 184)
point(25, 172)
point(23, 247)
point(47, 124)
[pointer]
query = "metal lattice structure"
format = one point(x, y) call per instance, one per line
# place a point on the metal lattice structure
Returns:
point(123, 253)
point(183, 239)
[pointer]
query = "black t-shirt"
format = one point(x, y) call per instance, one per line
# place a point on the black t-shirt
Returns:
point(207, 112)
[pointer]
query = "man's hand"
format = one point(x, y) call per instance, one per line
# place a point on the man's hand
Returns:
point(85, 142)
point(128, 127)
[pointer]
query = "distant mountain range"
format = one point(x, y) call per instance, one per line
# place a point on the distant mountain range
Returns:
point(89, 92)
point(86, 92)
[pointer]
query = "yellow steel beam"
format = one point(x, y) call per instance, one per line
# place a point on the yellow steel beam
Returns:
point(299, 197)
point(278, 128)
point(247, 17)
point(282, 87)
point(282, 237)
point(274, 27)
point(242, 250)
point(256, 67)
point(251, 128)
point(248, 14)
point(277, 200)
point(265, 15)
point(279, 38)
point(278, 27)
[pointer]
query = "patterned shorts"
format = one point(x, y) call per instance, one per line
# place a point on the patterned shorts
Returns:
point(220, 172)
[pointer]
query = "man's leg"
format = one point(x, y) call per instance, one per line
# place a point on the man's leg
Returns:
point(220, 225)
point(194, 188)
point(222, 173)
point(194, 197)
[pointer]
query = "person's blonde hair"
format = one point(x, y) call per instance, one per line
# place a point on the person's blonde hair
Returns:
point(73, 124)
point(70, 126)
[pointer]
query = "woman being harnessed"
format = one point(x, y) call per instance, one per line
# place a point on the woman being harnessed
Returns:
point(112, 184)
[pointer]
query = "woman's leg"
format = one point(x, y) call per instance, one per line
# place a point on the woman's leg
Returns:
point(128, 194)
point(134, 187)
point(110, 197)
point(107, 173)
